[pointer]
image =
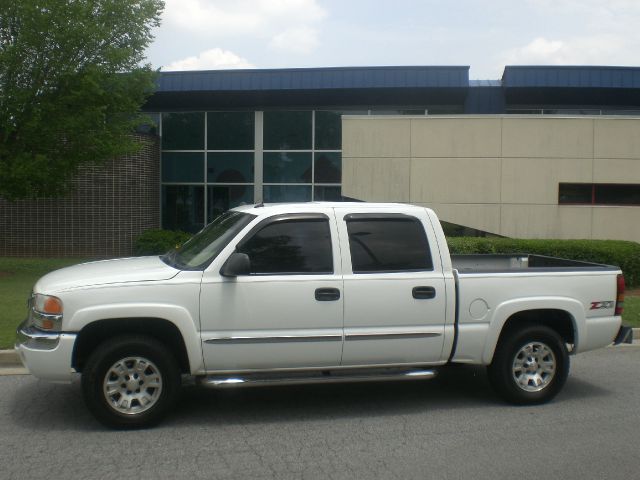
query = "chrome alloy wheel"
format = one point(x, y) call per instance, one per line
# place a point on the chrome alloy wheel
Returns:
point(132, 385)
point(534, 367)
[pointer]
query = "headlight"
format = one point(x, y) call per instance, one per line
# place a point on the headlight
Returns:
point(46, 312)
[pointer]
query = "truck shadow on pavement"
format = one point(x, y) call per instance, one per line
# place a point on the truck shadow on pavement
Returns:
point(459, 387)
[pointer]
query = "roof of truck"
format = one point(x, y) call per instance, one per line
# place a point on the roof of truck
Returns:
point(316, 206)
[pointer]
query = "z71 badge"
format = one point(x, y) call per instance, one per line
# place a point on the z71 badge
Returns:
point(601, 305)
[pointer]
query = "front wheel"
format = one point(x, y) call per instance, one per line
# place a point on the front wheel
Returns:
point(530, 365)
point(130, 382)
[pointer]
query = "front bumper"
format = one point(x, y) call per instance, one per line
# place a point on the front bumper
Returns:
point(46, 355)
point(625, 335)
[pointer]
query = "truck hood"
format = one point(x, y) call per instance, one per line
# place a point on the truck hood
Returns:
point(121, 270)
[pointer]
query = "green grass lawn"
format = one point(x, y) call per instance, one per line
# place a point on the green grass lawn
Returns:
point(631, 314)
point(18, 275)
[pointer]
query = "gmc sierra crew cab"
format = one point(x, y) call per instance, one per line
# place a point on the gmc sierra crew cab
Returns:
point(313, 292)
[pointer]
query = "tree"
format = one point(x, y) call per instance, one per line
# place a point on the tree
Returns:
point(72, 81)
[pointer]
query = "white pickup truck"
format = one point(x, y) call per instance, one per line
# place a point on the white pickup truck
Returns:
point(313, 292)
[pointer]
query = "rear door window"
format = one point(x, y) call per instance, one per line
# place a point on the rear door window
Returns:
point(395, 243)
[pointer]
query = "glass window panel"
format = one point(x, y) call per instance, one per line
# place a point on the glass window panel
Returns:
point(287, 167)
point(524, 111)
point(230, 167)
point(182, 167)
point(422, 111)
point(575, 193)
point(621, 112)
point(286, 193)
point(222, 198)
point(570, 111)
point(183, 131)
point(294, 246)
point(230, 130)
point(445, 109)
point(617, 194)
point(328, 167)
point(287, 130)
point(183, 207)
point(328, 130)
point(327, 194)
point(389, 244)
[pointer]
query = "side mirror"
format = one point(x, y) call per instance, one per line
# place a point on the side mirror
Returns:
point(237, 264)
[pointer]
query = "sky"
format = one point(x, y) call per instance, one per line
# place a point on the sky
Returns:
point(486, 35)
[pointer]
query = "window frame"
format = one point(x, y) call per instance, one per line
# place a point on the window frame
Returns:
point(288, 217)
point(355, 217)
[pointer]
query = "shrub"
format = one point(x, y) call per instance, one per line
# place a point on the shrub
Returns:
point(625, 255)
point(157, 242)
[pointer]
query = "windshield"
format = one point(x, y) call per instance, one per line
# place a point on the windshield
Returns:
point(205, 245)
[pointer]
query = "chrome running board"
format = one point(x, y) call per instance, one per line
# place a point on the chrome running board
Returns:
point(307, 378)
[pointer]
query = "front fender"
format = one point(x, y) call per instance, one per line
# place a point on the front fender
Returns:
point(179, 316)
point(506, 310)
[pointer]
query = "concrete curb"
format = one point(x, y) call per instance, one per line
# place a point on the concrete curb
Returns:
point(9, 358)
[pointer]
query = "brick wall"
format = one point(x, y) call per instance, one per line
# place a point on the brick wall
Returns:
point(110, 205)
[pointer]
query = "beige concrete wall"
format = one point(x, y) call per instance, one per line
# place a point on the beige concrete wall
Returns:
point(497, 173)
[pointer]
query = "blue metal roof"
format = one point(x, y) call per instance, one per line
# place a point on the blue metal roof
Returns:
point(314, 79)
point(365, 87)
point(571, 77)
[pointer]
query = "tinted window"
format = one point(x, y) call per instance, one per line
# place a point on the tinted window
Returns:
point(286, 193)
point(291, 246)
point(183, 207)
point(182, 167)
point(287, 130)
point(388, 245)
point(230, 167)
point(617, 194)
point(575, 193)
point(221, 198)
point(599, 194)
point(230, 130)
point(183, 131)
point(327, 194)
point(328, 130)
point(287, 167)
point(328, 167)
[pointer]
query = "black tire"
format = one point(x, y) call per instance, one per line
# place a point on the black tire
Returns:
point(515, 378)
point(146, 359)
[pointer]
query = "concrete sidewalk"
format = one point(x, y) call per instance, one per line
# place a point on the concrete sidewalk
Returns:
point(10, 363)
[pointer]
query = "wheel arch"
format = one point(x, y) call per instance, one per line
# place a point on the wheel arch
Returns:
point(96, 332)
point(564, 316)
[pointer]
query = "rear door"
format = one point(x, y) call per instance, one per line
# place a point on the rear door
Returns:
point(394, 289)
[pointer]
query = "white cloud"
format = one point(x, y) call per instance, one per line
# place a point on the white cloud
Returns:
point(296, 40)
point(604, 49)
point(593, 15)
point(239, 17)
point(213, 59)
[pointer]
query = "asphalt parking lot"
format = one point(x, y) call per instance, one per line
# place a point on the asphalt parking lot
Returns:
point(451, 427)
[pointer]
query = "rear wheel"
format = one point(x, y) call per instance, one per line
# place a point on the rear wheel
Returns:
point(530, 365)
point(130, 382)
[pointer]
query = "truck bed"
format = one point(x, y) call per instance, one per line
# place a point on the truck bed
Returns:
point(488, 263)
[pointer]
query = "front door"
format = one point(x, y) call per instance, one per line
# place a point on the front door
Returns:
point(287, 313)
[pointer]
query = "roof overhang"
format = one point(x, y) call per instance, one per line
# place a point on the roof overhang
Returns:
point(305, 87)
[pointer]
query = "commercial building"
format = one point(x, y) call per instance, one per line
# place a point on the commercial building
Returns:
point(498, 156)
point(511, 175)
